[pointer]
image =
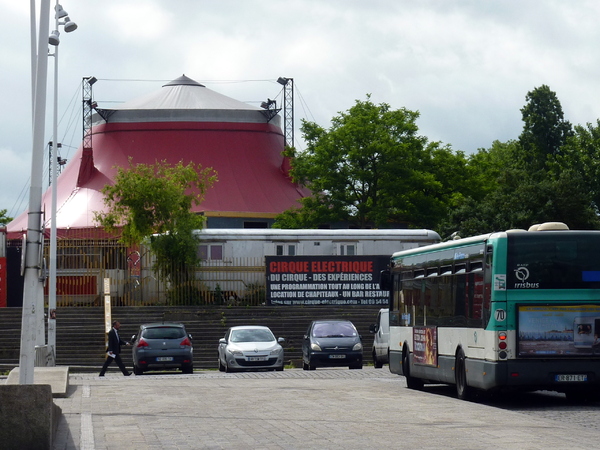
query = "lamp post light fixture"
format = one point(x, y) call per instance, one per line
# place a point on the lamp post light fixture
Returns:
point(54, 40)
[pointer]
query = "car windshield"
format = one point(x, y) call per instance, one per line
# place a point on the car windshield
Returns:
point(163, 333)
point(334, 329)
point(251, 336)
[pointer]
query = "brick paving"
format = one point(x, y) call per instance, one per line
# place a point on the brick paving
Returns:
point(294, 409)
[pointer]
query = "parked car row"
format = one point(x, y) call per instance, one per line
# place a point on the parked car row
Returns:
point(327, 343)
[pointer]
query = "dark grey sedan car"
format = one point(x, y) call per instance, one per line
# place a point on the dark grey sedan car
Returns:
point(331, 343)
point(159, 346)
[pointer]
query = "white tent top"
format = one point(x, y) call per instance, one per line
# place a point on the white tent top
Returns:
point(185, 93)
point(182, 99)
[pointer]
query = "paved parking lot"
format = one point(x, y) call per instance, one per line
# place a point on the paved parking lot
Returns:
point(294, 409)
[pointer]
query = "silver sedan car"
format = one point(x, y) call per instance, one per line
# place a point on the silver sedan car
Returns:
point(250, 348)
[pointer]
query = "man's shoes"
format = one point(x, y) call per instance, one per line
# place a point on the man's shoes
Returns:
point(127, 374)
point(101, 375)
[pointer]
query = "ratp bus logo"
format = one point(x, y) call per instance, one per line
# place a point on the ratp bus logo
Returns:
point(522, 275)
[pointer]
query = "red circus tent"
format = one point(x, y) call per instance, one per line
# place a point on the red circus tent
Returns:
point(183, 121)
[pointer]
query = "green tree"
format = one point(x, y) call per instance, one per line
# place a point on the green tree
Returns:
point(371, 168)
point(550, 173)
point(545, 130)
point(581, 154)
point(4, 219)
point(520, 201)
point(154, 201)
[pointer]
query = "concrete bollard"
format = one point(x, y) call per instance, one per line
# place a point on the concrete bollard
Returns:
point(28, 416)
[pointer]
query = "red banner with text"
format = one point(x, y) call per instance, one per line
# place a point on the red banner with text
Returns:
point(325, 280)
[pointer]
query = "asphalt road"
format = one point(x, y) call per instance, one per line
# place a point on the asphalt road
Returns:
point(296, 409)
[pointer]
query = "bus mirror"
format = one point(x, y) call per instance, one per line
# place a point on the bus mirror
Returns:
point(385, 280)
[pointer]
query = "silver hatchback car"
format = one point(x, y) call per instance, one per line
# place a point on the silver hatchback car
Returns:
point(250, 347)
point(165, 345)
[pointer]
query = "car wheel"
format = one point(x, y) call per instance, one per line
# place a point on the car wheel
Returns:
point(221, 366)
point(411, 382)
point(463, 391)
point(304, 366)
point(228, 369)
point(378, 364)
point(137, 370)
point(356, 366)
point(279, 369)
point(188, 369)
point(311, 366)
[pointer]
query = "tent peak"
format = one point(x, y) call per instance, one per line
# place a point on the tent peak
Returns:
point(183, 81)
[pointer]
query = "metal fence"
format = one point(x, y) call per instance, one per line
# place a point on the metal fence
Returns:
point(82, 266)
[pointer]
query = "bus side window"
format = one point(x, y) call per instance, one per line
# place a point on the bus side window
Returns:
point(397, 307)
point(460, 299)
point(446, 303)
point(487, 286)
point(418, 294)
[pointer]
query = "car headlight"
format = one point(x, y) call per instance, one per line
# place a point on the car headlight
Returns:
point(235, 352)
point(357, 347)
point(277, 351)
point(315, 347)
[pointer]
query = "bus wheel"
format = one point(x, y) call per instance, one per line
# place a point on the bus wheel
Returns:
point(411, 382)
point(463, 391)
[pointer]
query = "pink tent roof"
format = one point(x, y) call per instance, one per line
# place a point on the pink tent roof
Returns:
point(183, 121)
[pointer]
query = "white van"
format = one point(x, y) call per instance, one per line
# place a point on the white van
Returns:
point(381, 340)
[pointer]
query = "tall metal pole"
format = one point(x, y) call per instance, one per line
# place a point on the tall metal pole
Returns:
point(33, 245)
point(53, 237)
point(33, 54)
point(54, 40)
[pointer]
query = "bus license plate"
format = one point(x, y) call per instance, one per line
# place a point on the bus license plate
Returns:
point(257, 358)
point(570, 378)
point(337, 356)
point(164, 358)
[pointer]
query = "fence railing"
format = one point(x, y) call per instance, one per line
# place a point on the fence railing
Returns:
point(133, 282)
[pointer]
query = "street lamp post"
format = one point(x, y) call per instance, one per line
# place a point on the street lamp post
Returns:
point(54, 40)
point(32, 261)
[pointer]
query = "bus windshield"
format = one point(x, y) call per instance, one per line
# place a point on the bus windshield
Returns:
point(553, 260)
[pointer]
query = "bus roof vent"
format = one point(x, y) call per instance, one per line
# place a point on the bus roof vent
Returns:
point(534, 227)
point(515, 230)
point(551, 226)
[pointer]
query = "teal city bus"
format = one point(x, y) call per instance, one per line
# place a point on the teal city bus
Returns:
point(515, 309)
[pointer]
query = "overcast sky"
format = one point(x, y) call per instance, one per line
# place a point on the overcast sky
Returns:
point(466, 66)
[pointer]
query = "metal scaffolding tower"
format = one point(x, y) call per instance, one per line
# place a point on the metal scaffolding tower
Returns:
point(288, 109)
point(88, 109)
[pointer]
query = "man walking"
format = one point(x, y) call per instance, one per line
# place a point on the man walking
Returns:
point(114, 349)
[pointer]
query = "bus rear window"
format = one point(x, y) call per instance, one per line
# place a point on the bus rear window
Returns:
point(553, 260)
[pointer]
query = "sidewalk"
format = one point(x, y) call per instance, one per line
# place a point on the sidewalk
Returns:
point(294, 409)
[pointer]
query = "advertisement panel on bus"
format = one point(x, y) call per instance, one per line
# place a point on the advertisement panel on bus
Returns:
point(425, 346)
point(571, 330)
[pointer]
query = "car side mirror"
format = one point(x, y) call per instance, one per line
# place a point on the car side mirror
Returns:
point(133, 337)
point(222, 341)
point(281, 340)
point(373, 328)
point(190, 336)
point(306, 336)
